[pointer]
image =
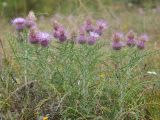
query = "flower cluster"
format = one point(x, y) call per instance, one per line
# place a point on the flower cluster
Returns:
point(35, 35)
point(89, 33)
point(59, 32)
point(38, 37)
point(20, 23)
point(131, 40)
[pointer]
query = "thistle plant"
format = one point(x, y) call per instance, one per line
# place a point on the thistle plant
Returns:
point(48, 77)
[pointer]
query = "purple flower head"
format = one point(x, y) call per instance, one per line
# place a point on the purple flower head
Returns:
point(117, 44)
point(117, 36)
point(31, 20)
point(131, 34)
point(92, 38)
point(33, 35)
point(131, 38)
point(88, 26)
point(62, 35)
point(56, 34)
point(30, 23)
point(144, 37)
point(81, 39)
point(101, 24)
point(59, 32)
point(141, 45)
point(99, 31)
point(44, 38)
point(56, 25)
point(19, 23)
point(131, 42)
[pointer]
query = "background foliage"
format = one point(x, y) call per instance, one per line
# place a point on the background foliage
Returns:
point(11, 8)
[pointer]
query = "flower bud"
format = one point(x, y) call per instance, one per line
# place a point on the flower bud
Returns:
point(33, 35)
point(142, 39)
point(117, 44)
point(131, 38)
point(88, 26)
point(81, 39)
point(31, 20)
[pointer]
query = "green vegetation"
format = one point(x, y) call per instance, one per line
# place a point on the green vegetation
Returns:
point(10, 8)
point(72, 81)
point(80, 82)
